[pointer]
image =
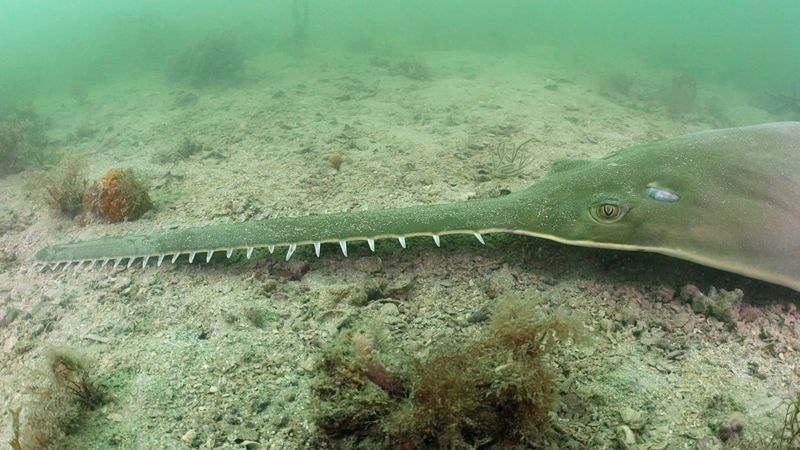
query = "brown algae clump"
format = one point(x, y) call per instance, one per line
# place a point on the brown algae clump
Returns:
point(491, 388)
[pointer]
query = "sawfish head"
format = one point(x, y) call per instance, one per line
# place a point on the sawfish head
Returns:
point(603, 203)
point(728, 199)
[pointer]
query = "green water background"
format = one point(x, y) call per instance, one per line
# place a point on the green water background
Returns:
point(49, 45)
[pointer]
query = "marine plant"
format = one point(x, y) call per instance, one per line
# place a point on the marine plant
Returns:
point(65, 186)
point(22, 141)
point(59, 407)
point(118, 196)
point(491, 388)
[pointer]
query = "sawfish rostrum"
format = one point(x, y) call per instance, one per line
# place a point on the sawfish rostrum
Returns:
point(728, 199)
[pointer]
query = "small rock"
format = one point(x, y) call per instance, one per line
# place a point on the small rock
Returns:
point(298, 268)
point(189, 437)
point(477, 317)
point(369, 264)
point(399, 287)
point(121, 285)
point(361, 144)
point(389, 310)
point(346, 293)
point(269, 286)
point(115, 417)
point(498, 282)
point(722, 305)
point(626, 437)
point(10, 316)
point(632, 418)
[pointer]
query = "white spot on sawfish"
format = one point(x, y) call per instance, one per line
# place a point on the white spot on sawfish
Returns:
point(291, 250)
point(317, 246)
point(371, 243)
point(402, 240)
point(479, 237)
point(343, 245)
point(436, 240)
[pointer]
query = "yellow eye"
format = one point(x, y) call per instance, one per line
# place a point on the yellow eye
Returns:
point(606, 213)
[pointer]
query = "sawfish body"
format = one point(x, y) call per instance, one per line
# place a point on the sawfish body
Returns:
point(728, 199)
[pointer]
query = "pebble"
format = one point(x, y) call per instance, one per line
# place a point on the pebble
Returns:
point(632, 418)
point(626, 437)
point(189, 436)
point(498, 282)
point(369, 264)
point(361, 144)
point(389, 310)
point(398, 287)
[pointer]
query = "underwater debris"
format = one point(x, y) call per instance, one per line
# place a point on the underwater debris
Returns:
point(492, 388)
point(507, 161)
point(118, 196)
point(213, 61)
point(65, 186)
point(58, 408)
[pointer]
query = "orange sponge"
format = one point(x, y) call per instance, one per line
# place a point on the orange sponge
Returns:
point(118, 196)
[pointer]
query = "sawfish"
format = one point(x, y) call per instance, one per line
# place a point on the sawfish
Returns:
point(728, 199)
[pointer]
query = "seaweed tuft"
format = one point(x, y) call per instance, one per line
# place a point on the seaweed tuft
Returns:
point(59, 408)
point(65, 185)
point(491, 389)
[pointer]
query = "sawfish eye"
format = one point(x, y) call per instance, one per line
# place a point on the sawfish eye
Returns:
point(606, 213)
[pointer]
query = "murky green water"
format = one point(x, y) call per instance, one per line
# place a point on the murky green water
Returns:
point(57, 44)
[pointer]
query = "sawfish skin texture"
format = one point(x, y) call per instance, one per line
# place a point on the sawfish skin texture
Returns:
point(728, 199)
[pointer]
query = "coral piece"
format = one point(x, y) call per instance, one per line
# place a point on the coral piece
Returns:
point(118, 196)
